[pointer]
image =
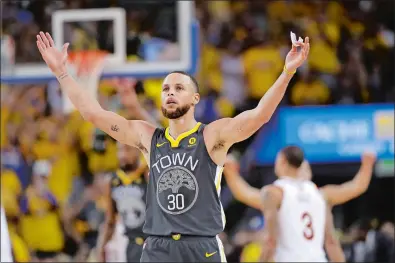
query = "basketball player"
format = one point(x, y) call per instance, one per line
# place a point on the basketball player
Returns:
point(296, 216)
point(333, 194)
point(126, 194)
point(6, 254)
point(184, 214)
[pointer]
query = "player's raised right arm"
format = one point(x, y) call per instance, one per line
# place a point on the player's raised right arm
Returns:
point(134, 133)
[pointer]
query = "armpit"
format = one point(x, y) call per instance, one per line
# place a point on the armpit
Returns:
point(219, 145)
point(142, 148)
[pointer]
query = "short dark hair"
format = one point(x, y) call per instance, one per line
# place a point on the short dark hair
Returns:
point(294, 155)
point(195, 83)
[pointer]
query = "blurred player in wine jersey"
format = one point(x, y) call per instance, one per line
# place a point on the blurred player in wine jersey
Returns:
point(298, 216)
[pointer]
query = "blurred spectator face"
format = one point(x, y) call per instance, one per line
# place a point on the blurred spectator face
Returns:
point(259, 35)
point(234, 47)
point(346, 83)
point(310, 77)
point(12, 135)
point(178, 95)
point(36, 99)
point(128, 157)
point(360, 229)
point(388, 229)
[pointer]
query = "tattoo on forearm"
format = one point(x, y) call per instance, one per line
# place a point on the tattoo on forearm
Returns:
point(63, 75)
point(115, 128)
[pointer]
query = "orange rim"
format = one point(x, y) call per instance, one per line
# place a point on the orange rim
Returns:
point(84, 60)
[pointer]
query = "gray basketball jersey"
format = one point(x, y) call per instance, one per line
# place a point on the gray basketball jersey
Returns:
point(184, 186)
point(128, 192)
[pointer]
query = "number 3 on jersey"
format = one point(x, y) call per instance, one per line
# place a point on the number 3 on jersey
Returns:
point(308, 231)
point(175, 201)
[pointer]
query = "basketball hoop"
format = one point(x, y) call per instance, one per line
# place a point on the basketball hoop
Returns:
point(85, 61)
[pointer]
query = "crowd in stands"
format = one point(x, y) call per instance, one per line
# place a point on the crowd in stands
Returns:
point(46, 155)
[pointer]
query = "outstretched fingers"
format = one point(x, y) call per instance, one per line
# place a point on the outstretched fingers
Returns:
point(40, 47)
point(45, 40)
point(51, 42)
point(305, 48)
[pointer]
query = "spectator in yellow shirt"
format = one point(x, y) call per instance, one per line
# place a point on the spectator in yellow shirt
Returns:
point(323, 54)
point(262, 65)
point(53, 144)
point(40, 224)
point(310, 90)
point(11, 190)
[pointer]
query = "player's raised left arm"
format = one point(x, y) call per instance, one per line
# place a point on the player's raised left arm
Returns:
point(339, 194)
point(240, 189)
point(271, 202)
point(247, 123)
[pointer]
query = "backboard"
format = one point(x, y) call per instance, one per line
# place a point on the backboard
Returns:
point(169, 43)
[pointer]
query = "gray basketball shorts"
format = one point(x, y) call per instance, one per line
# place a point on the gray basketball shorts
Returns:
point(178, 248)
point(134, 249)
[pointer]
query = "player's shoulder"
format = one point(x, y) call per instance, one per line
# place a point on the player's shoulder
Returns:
point(311, 185)
point(272, 191)
point(217, 124)
point(145, 128)
point(213, 129)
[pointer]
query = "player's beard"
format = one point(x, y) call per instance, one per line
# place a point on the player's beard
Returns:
point(178, 113)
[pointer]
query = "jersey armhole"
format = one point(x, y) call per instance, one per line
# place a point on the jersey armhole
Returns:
point(322, 194)
point(281, 189)
point(201, 133)
point(282, 194)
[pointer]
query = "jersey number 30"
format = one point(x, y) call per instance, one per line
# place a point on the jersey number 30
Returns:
point(175, 202)
point(308, 231)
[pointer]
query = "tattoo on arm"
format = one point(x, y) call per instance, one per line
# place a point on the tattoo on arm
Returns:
point(115, 128)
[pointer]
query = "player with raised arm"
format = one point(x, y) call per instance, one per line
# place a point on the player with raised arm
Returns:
point(184, 213)
point(333, 194)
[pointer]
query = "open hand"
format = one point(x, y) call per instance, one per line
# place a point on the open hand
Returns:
point(369, 158)
point(55, 59)
point(296, 58)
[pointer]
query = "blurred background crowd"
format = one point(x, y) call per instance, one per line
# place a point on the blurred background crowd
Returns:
point(242, 48)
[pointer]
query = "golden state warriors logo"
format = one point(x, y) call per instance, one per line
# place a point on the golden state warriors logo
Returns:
point(132, 211)
point(384, 125)
point(177, 190)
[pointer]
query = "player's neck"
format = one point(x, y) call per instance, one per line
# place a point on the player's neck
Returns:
point(291, 173)
point(181, 125)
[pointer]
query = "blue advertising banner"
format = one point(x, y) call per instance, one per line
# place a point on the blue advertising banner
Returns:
point(329, 134)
